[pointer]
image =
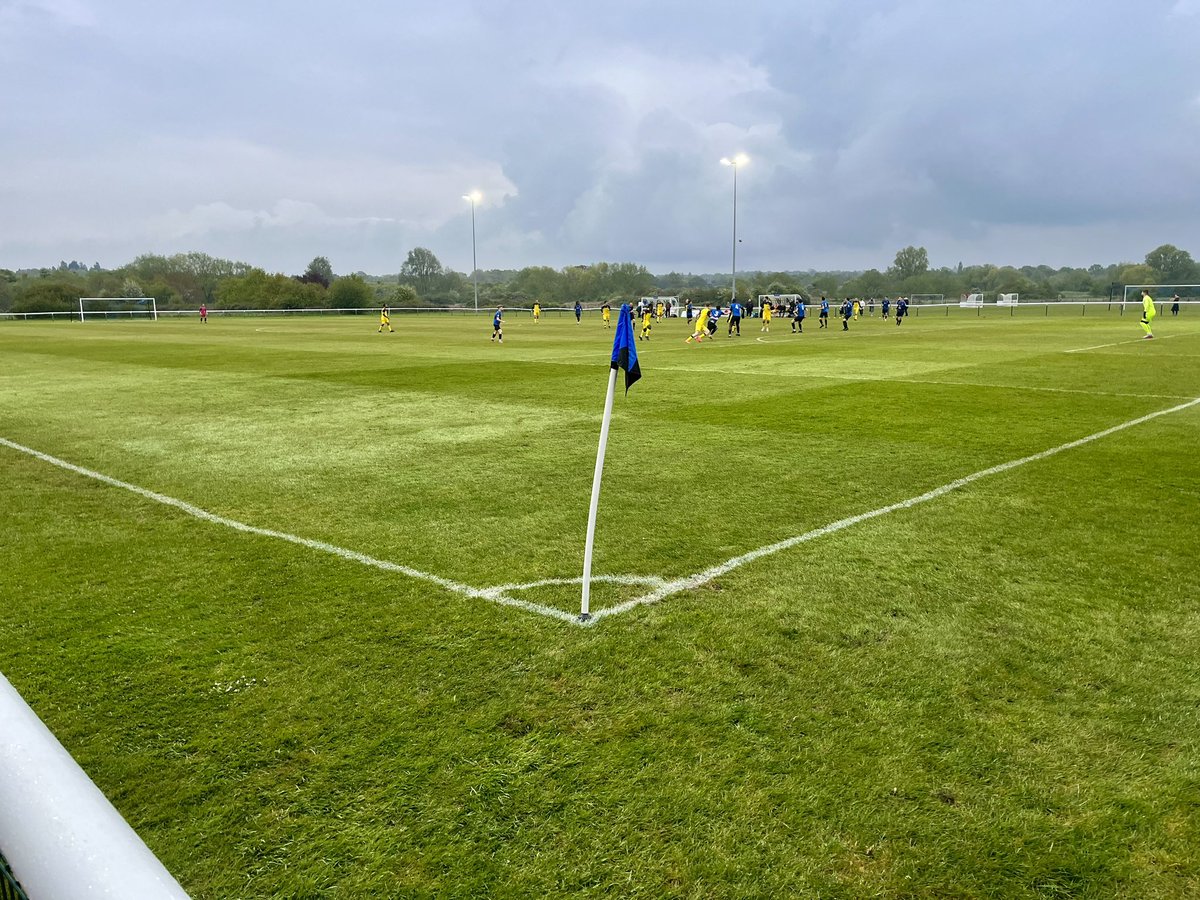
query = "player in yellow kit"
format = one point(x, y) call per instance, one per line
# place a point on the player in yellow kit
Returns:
point(385, 321)
point(701, 325)
point(647, 322)
point(659, 311)
point(606, 314)
point(537, 311)
point(766, 316)
point(1148, 313)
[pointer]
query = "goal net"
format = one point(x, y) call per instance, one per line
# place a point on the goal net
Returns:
point(926, 299)
point(117, 308)
point(1008, 299)
point(973, 299)
point(778, 302)
point(1165, 296)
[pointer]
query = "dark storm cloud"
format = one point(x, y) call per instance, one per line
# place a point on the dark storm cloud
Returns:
point(275, 132)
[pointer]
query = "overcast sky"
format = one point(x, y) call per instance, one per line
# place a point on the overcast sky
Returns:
point(1028, 131)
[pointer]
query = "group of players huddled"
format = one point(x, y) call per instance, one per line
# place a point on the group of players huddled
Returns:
point(707, 316)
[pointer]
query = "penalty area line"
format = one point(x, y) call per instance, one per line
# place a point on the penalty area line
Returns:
point(1165, 337)
point(492, 596)
point(691, 582)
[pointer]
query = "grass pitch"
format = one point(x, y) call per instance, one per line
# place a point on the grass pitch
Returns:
point(991, 694)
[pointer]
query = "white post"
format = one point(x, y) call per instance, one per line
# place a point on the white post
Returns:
point(585, 610)
point(154, 306)
point(474, 261)
point(60, 834)
point(733, 292)
point(80, 309)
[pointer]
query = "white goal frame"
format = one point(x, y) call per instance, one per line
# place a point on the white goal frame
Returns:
point(973, 300)
point(1155, 287)
point(1012, 299)
point(153, 305)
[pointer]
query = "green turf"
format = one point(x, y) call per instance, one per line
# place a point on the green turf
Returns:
point(993, 694)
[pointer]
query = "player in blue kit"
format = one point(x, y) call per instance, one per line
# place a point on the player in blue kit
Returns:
point(498, 325)
point(798, 314)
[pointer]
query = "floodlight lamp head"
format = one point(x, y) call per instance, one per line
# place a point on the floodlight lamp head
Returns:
point(474, 196)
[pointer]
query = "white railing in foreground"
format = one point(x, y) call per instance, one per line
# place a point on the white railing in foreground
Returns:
point(61, 836)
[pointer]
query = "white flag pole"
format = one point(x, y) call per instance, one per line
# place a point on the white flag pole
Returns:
point(585, 613)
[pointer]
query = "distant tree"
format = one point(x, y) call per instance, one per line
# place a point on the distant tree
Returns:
point(403, 295)
point(258, 290)
point(825, 284)
point(1137, 273)
point(909, 262)
point(421, 269)
point(194, 277)
point(540, 283)
point(47, 296)
point(351, 293)
point(319, 271)
point(871, 283)
point(1171, 265)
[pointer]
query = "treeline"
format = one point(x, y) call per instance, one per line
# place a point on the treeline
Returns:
point(187, 280)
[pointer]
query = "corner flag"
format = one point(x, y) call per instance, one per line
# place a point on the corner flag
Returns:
point(624, 355)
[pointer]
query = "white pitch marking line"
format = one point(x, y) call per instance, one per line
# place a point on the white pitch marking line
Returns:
point(1005, 387)
point(691, 582)
point(1165, 337)
point(652, 580)
point(665, 588)
point(493, 596)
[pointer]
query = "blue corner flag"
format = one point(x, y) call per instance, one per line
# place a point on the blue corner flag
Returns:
point(624, 355)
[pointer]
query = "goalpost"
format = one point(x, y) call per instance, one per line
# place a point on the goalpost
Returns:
point(973, 299)
point(1163, 294)
point(118, 307)
point(778, 301)
point(1008, 299)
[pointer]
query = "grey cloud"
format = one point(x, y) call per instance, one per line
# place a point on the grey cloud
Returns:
point(273, 132)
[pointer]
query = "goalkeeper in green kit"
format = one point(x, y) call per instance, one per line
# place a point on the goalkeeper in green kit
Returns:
point(1148, 313)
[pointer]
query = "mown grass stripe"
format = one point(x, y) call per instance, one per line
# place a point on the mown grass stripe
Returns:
point(342, 552)
point(691, 582)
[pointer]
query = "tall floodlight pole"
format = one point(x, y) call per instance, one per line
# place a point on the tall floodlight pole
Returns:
point(474, 197)
point(736, 163)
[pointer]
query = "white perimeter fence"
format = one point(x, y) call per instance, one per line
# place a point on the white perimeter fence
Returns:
point(1022, 308)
